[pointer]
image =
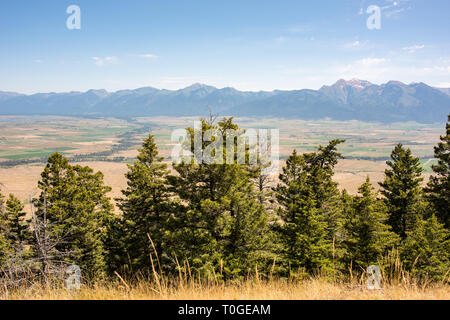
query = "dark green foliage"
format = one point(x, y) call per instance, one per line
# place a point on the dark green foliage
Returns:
point(147, 210)
point(438, 191)
point(324, 191)
point(19, 233)
point(5, 244)
point(223, 223)
point(367, 235)
point(402, 191)
point(73, 200)
point(307, 210)
point(5, 249)
point(426, 250)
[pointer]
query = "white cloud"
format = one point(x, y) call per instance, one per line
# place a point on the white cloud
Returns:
point(356, 45)
point(445, 85)
point(148, 56)
point(433, 70)
point(38, 61)
point(381, 70)
point(391, 5)
point(371, 69)
point(414, 48)
point(100, 62)
point(394, 8)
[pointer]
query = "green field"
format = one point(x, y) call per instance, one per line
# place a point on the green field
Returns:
point(29, 154)
point(28, 138)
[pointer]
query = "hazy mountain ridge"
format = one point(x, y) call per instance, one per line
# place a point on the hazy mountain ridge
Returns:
point(345, 100)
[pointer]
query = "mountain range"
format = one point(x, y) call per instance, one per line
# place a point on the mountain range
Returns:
point(345, 100)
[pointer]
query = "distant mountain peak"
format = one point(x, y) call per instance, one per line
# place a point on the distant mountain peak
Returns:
point(395, 83)
point(100, 92)
point(342, 89)
point(355, 83)
point(197, 86)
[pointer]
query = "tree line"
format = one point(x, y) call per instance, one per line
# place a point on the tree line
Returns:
point(229, 220)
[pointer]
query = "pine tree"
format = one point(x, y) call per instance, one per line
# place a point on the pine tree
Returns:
point(426, 250)
point(402, 191)
point(320, 166)
point(2, 211)
point(223, 223)
point(19, 233)
point(74, 201)
point(5, 249)
point(147, 209)
point(319, 189)
point(5, 244)
point(324, 191)
point(368, 237)
point(2, 206)
point(438, 191)
point(302, 229)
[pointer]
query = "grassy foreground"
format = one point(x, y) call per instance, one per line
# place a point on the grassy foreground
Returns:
point(313, 289)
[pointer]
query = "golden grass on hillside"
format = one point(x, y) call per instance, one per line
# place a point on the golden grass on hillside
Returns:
point(395, 282)
point(313, 289)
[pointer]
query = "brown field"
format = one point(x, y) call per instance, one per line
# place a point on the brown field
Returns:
point(22, 180)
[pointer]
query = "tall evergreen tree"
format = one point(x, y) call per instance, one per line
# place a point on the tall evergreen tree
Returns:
point(223, 221)
point(19, 232)
point(2, 205)
point(368, 235)
point(147, 209)
point(438, 190)
point(2, 210)
point(318, 171)
point(5, 249)
point(324, 191)
point(5, 244)
point(74, 201)
point(302, 229)
point(320, 166)
point(402, 191)
point(426, 250)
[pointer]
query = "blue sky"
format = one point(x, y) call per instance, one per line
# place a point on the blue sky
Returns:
point(246, 44)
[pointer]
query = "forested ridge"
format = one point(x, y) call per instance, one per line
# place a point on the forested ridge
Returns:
point(227, 220)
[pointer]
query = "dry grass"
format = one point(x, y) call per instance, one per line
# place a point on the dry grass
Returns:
point(395, 283)
point(314, 289)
